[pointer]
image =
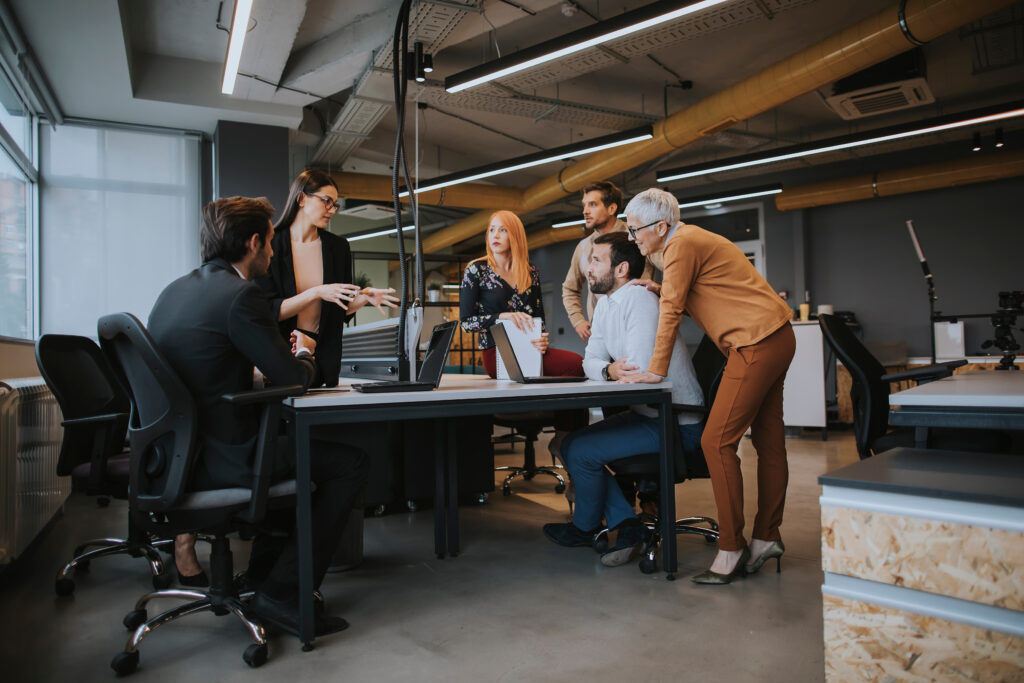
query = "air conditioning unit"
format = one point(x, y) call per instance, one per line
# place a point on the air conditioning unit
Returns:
point(367, 210)
point(895, 84)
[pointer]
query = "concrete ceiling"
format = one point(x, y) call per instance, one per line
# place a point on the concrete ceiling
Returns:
point(160, 62)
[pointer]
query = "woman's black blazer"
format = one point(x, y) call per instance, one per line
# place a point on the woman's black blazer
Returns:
point(279, 284)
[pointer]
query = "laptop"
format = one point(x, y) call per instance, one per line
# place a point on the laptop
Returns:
point(508, 357)
point(431, 369)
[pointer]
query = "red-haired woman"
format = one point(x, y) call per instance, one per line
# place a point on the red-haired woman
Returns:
point(504, 286)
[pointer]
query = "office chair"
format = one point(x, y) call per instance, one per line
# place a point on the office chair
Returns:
point(164, 448)
point(639, 474)
point(95, 412)
point(870, 397)
point(529, 425)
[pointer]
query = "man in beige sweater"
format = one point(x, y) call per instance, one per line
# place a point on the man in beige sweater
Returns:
point(601, 204)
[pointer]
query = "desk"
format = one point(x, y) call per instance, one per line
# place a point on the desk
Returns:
point(975, 400)
point(458, 396)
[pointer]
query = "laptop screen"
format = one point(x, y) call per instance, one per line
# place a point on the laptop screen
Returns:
point(437, 352)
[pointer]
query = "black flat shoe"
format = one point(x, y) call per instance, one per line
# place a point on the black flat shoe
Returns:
point(200, 580)
point(282, 616)
point(570, 535)
point(715, 579)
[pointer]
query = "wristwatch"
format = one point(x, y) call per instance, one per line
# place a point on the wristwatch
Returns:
point(604, 372)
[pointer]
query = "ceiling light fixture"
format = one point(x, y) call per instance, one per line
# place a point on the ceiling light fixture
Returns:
point(937, 125)
point(977, 143)
point(239, 27)
point(591, 36)
point(567, 221)
point(376, 233)
point(536, 159)
point(735, 195)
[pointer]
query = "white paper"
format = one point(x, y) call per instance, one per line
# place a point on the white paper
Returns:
point(530, 361)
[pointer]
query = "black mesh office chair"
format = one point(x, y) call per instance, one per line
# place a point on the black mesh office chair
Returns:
point(639, 474)
point(95, 419)
point(163, 437)
point(529, 426)
point(870, 395)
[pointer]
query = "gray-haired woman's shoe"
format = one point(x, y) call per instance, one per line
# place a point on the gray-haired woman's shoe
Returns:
point(715, 579)
point(775, 549)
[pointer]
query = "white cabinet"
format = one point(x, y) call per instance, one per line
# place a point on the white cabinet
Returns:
point(803, 402)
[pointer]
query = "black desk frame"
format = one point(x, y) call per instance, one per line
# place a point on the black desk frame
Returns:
point(301, 421)
point(924, 417)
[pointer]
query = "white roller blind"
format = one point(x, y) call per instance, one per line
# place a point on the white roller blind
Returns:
point(119, 219)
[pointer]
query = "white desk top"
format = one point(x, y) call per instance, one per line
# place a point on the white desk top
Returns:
point(978, 389)
point(456, 387)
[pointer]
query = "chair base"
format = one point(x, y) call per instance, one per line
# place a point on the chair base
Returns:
point(700, 526)
point(65, 585)
point(528, 473)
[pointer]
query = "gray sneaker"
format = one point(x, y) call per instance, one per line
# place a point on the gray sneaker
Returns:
point(628, 544)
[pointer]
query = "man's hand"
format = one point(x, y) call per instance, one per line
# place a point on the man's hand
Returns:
point(302, 342)
point(583, 329)
point(640, 377)
point(541, 343)
point(650, 285)
point(524, 321)
point(617, 369)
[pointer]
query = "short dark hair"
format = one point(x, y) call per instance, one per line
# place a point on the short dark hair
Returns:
point(610, 194)
point(623, 250)
point(228, 224)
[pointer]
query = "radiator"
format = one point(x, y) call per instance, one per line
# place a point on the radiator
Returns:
point(31, 493)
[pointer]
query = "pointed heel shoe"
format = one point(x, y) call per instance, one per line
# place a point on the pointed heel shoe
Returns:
point(775, 549)
point(715, 579)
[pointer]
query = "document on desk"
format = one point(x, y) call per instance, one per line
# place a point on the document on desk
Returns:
point(530, 361)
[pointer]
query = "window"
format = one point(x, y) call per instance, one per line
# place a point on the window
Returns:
point(15, 252)
point(120, 216)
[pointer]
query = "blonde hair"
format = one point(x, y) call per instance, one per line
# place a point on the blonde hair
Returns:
point(520, 254)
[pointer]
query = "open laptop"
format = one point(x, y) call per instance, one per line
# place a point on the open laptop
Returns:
point(508, 357)
point(431, 369)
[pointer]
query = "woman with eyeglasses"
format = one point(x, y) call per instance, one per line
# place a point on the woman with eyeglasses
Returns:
point(309, 281)
point(709, 278)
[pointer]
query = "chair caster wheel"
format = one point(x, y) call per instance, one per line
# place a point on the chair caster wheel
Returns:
point(708, 539)
point(255, 655)
point(134, 619)
point(64, 587)
point(647, 565)
point(102, 502)
point(601, 543)
point(125, 663)
point(163, 581)
point(411, 506)
point(481, 498)
point(506, 491)
point(379, 511)
point(559, 488)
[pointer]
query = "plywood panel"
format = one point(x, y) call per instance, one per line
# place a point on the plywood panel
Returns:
point(865, 642)
point(967, 562)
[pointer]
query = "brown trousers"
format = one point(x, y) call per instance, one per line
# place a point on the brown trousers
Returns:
point(750, 395)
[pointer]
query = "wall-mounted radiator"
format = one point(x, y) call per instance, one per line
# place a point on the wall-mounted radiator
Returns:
point(31, 493)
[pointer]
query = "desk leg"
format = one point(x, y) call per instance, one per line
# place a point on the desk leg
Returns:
point(920, 437)
point(440, 542)
point(667, 507)
point(453, 489)
point(304, 526)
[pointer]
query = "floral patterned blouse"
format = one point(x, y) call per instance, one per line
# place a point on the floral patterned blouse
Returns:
point(484, 296)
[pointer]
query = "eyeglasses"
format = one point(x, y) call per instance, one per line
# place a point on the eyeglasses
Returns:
point(328, 202)
point(634, 231)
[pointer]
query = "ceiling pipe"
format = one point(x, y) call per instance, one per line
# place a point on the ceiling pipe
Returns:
point(468, 195)
point(864, 44)
point(937, 176)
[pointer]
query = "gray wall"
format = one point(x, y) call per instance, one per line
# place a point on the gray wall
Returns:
point(251, 161)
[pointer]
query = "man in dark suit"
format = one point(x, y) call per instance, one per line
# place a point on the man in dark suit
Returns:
point(214, 325)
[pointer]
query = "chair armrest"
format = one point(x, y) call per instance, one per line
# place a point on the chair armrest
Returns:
point(94, 419)
point(243, 398)
point(937, 371)
point(678, 408)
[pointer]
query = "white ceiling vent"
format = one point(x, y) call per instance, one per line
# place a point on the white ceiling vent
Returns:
point(881, 99)
point(370, 212)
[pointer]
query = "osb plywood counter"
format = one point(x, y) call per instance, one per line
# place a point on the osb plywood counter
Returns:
point(923, 554)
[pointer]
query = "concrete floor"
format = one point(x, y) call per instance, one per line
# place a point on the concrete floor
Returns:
point(512, 606)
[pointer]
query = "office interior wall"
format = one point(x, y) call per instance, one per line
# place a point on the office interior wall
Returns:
point(252, 160)
point(17, 359)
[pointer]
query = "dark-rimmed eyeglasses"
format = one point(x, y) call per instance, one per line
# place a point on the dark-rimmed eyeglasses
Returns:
point(328, 202)
point(634, 231)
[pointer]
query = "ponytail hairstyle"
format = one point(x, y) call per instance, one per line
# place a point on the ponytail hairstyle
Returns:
point(517, 246)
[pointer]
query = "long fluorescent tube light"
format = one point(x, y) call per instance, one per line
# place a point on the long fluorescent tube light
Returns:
point(736, 195)
point(565, 223)
point(937, 125)
point(602, 32)
point(536, 159)
point(239, 27)
point(378, 233)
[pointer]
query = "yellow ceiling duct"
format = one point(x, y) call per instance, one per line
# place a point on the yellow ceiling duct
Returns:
point(976, 169)
point(869, 42)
